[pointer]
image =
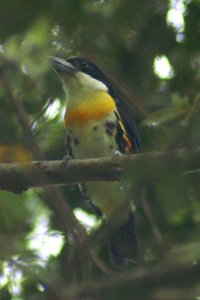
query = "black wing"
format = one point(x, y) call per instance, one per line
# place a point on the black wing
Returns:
point(129, 124)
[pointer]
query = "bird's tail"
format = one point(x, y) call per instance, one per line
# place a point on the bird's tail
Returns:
point(124, 244)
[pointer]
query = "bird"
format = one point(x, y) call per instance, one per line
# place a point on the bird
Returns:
point(100, 124)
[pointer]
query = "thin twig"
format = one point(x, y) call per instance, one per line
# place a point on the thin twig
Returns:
point(153, 225)
point(137, 281)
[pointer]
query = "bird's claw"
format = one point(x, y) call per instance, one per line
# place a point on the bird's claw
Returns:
point(66, 159)
point(117, 153)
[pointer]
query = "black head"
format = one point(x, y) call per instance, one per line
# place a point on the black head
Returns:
point(84, 65)
point(76, 64)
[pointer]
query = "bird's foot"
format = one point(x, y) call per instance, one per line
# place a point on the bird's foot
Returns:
point(66, 159)
point(117, 153)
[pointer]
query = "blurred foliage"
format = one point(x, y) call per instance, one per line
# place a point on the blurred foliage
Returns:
point(123, 38)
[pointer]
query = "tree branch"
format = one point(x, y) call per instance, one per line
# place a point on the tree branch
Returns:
point(134, 283)
point(18, 178)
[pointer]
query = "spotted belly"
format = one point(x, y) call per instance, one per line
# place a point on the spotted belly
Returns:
point(97, 139)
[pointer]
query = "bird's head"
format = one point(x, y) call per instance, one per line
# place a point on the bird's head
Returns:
point(87, 90)
point(80, 76)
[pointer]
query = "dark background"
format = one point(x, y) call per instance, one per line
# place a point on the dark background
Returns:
point(124, 38)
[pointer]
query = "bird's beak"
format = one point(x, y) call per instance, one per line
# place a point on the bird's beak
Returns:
point(62, 66)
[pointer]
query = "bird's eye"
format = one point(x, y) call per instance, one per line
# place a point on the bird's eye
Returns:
point(85, 64)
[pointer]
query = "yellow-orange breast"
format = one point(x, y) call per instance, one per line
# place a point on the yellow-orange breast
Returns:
point(97, 106)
